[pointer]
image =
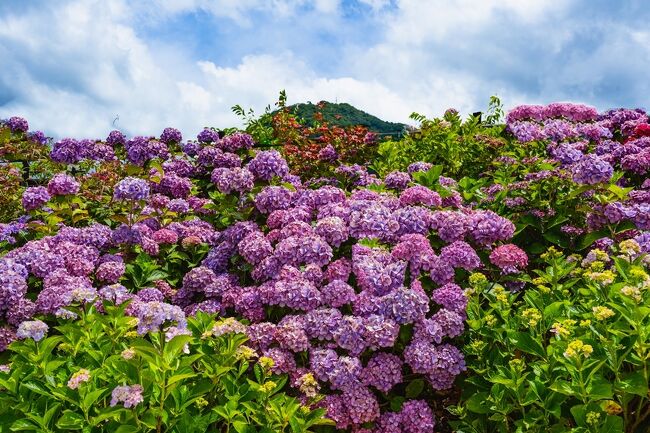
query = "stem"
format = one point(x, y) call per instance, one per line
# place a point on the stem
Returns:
point(163, 395)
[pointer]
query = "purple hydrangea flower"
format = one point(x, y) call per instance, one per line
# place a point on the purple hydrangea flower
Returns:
point(268, 164)
point(62, 184)
point(130, 396)
point(171, 135)
point(17, 124)
point(35, 197)
point(131, 188)
point(591, 170)
point(34, 329)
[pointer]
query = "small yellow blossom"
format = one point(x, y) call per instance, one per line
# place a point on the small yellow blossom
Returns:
point(131, 334)
point(602, 313)
point(605, 277)
point(478, 345)
point(563, 329)
point(539, 281)
point(551, 253)
point(597, 266)
point(201, 402)
point(308, 385)
point(500, 294)
point(585, 323)
point(269, 386)
point(245, 353)
point(133, 322)
point(632, 292)
point(629, 247)
point(478, 281)
point(266, 363)
point(577, 348)
point(544, 289)
point(593, 418)
point(639, 274)
point(532, 315)
point(490, 320)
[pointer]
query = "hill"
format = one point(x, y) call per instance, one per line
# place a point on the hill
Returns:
point(343, 114)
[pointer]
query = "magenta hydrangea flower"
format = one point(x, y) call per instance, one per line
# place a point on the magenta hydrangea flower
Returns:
point(509, 258)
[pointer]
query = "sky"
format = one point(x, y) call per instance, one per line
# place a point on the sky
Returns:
point(82, 68)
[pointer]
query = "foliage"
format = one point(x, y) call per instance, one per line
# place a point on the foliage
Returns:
point(189, 383)
point(571, 353)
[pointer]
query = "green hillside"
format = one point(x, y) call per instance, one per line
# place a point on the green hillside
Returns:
point(343, 114)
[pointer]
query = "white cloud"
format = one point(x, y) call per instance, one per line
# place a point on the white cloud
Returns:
point(94, 62)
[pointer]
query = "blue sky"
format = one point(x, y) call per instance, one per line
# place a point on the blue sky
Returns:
point(72, 67)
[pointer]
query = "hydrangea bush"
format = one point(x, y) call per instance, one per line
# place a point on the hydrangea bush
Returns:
point(353, 280)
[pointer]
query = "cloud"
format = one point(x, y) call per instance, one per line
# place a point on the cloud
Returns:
point(184, 63)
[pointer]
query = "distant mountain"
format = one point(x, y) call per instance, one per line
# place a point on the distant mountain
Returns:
point(344, 114)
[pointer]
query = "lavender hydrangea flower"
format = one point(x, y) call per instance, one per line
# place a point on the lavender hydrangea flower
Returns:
point(171, 135)
point(35, 197)
point(17, 124)
point(419, 166)
point(34, 329)
point(397, 180)
point(591, 170)
point(152, 315)
point(208, 136)
point(62, 184)
point(268, 164)
point(115, 138)
point(236, 141)
point(130, 396)
point(131, 188)
point(383, 371)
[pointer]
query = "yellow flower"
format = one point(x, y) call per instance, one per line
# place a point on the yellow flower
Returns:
point(532, 315)
point(602, 313)
point(551, 253)
point(563, 329)
point(639, 274)
point(629, 247)
point(517, 364)
point(266, 363)
point(585, 323)
point(605, 277)
point(577, 348)
point(593, 418)
point(490, 320)
point(245, 353)
point(539, 281)
point(477, 345)
point(131, 334)
point(478, 280)
point(201, 402)
point(269, 386)
point(632, 292)
point(500, 294)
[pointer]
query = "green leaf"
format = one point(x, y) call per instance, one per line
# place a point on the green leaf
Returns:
point(526, 343)
point(71, 421)
point(24, 425)
point(633, 383)
point(92, 397)
point(478, 403)
point(415, 388)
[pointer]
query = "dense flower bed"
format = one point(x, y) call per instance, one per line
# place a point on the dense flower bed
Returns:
point(354, 279)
